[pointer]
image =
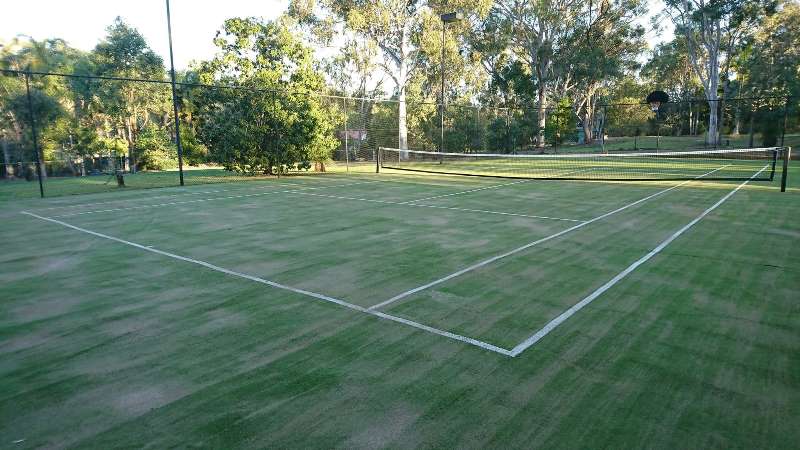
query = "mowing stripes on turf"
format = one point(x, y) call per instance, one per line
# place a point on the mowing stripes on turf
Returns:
point(411, 323)
point(527, 343)
point(417, 205)
point(496, 186)
point(182, 192)
point(405, 294)
point(157, 205)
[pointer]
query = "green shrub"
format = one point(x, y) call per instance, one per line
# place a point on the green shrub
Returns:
point(155, 151)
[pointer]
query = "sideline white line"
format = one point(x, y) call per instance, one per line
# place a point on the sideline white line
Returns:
point(387, 202)
point(401, 320)
point(528, 245)
point(257, 194)
point(591, 297)
point(496, 186)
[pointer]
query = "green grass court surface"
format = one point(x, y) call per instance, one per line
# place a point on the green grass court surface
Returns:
point(402, 310)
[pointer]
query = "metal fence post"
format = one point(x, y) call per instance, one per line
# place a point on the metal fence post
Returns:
point(787, 155)
point(346, 150)
point(175, 100)
point(34, 135)
point(785, 118)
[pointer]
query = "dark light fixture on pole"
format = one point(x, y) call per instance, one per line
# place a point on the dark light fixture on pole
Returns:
point(446, 18)
point(175, 99)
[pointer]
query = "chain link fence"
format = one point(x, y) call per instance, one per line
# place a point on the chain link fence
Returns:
point(89, 129)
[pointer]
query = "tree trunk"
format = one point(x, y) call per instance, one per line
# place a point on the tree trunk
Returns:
point(9, 174)
point(541, 120)
point(587, 122)
point(42, 165)
point(402, 126)
point(129, 137)
point(712, 137)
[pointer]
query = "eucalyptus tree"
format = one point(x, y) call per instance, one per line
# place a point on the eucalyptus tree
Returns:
point(713, 30)
point(769, 71)
point(394, 26)
point(669, 69)
point(540, 31)
point(603, 47)
point(124, 52)
point(772, 60)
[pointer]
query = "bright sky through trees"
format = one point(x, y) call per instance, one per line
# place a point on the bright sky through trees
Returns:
point(194, 23)
point(82, 24)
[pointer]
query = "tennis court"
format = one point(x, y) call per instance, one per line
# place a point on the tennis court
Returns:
point(492, 263)
point(208, 312)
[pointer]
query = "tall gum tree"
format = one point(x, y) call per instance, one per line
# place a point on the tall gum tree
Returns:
point(124, 52)
point(540, 29)
point(604, 46)
point(392, 25)
point(712, 29)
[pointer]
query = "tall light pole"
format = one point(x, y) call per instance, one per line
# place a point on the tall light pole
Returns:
point(446, 18)
point(175, 99)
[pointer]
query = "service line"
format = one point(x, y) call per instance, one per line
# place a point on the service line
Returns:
point(485, 262)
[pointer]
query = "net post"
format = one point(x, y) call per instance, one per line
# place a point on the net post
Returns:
point(787, 155)
point(378, 160)
point(774, 163)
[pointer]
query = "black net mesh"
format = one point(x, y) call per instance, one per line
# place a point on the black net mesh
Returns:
point(739, 164)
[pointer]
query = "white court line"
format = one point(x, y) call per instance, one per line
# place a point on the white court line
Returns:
point(257, 194)
point(411, 323)
point(528, 245)
point(417, 205)
point(591, 297)
point(576, 171)
point(182, 192)
point(496, 186)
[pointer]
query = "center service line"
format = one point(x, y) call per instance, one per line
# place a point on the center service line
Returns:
point(529, 245)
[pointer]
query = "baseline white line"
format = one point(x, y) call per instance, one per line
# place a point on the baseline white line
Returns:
point(401, 320)
point(180, 193)
point(177, 194)
point(257, 194)
point(528, 245)
point(527, 343)
point(496, 186)
point(387, 202)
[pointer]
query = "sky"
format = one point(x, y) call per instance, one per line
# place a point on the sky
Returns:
point(194, 22)
point(82, 23)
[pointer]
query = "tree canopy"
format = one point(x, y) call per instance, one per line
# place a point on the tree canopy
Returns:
point(519, 75)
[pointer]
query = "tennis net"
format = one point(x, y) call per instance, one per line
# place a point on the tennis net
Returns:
point(728, 164)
